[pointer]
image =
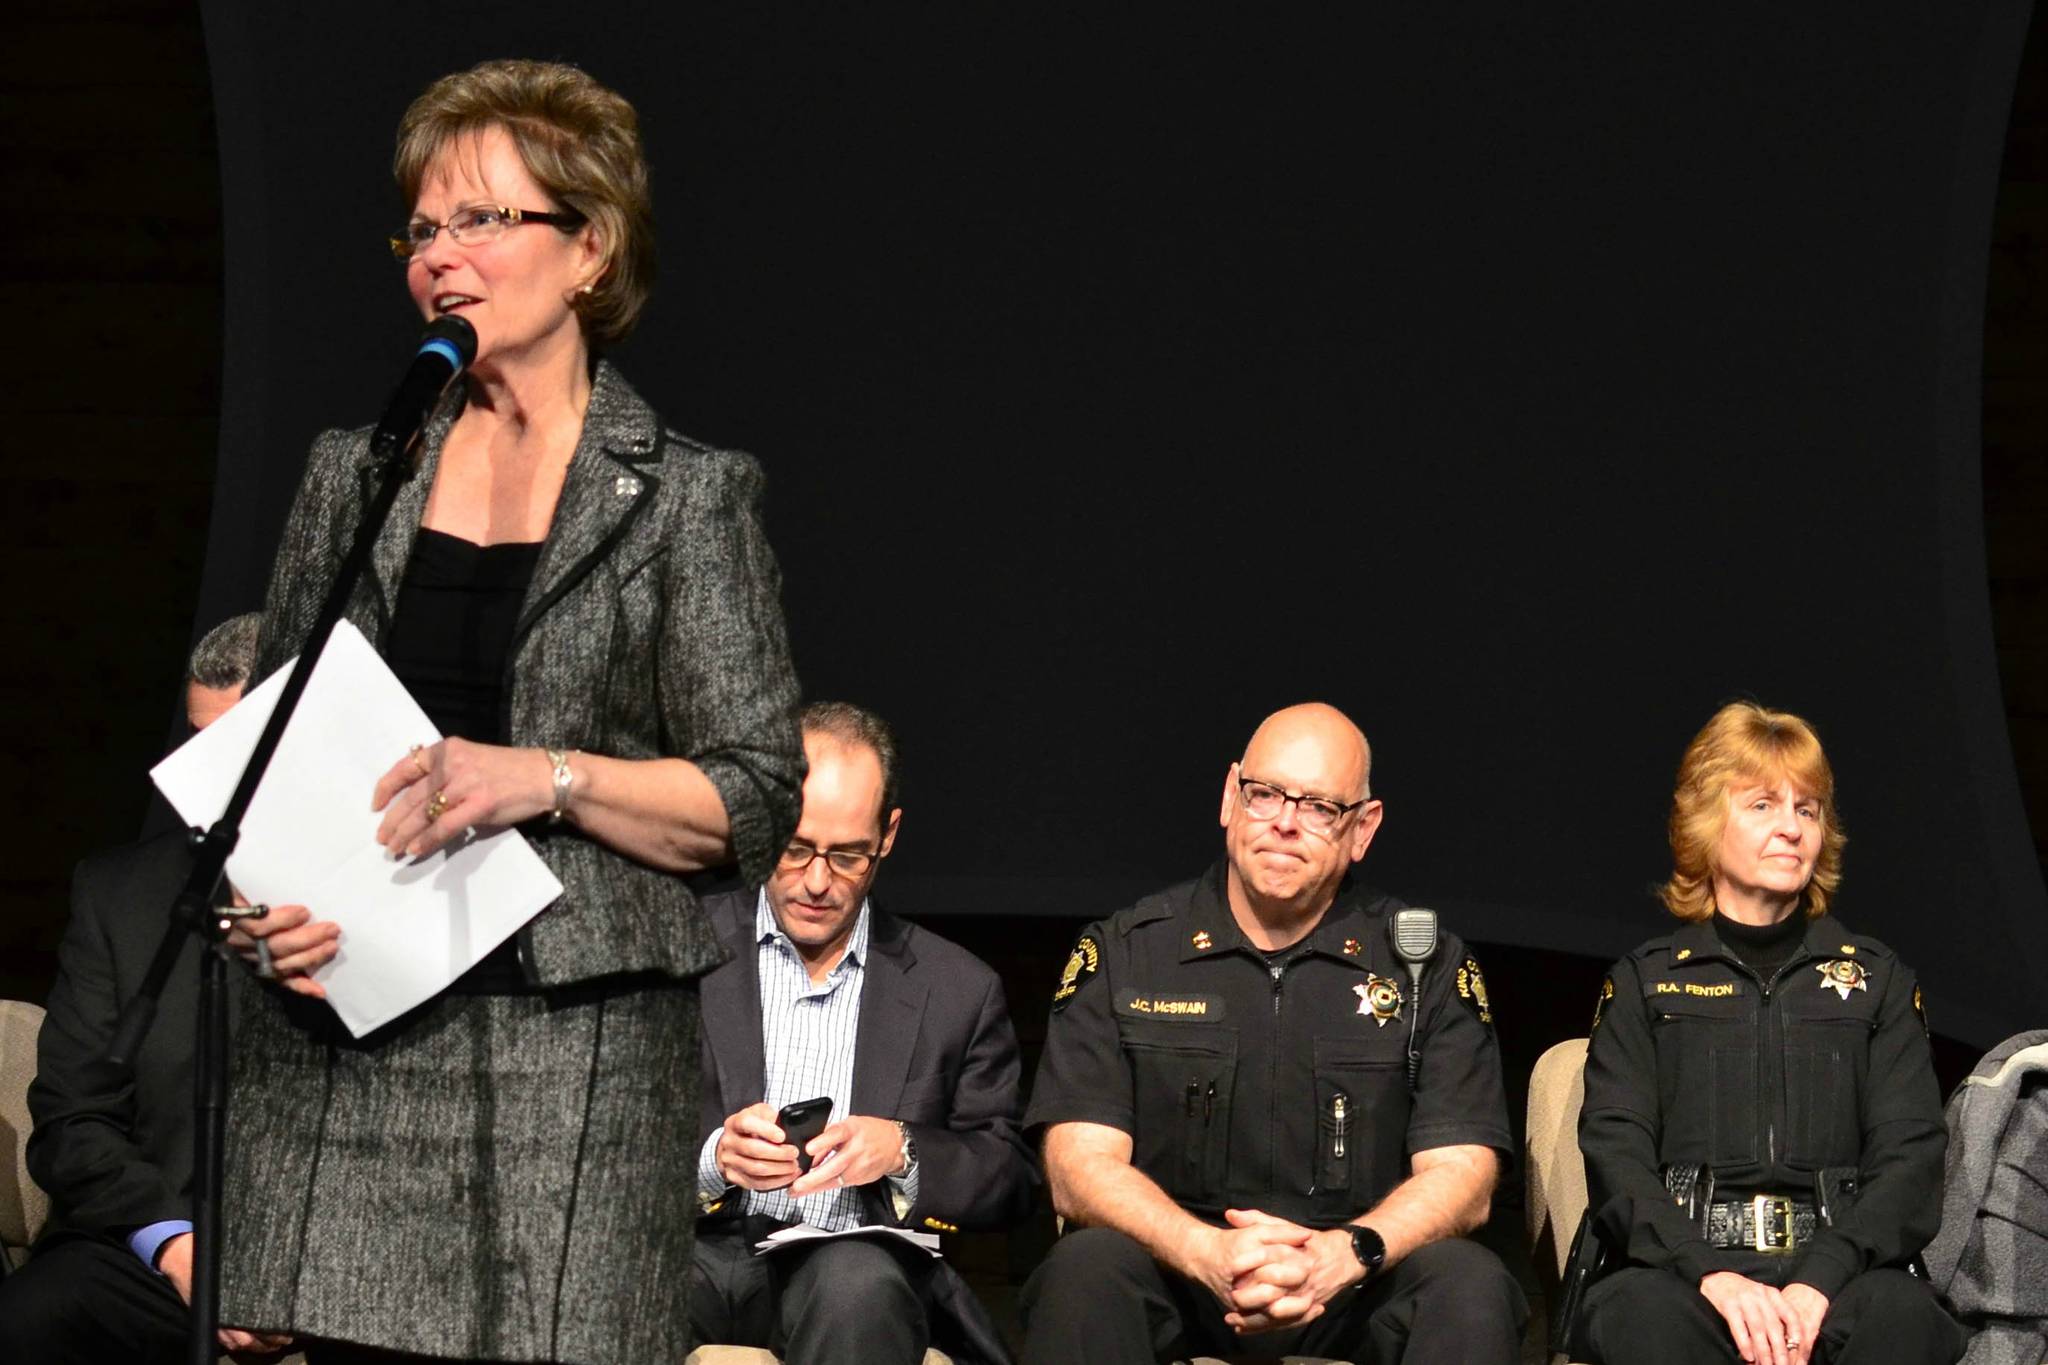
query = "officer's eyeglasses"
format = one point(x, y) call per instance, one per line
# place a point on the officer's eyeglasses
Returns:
point(474, 226)
point(1318, 814)
point(847, 862)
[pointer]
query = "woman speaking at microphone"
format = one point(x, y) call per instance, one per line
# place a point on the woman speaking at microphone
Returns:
point(1762, 1131)
point(586, 605)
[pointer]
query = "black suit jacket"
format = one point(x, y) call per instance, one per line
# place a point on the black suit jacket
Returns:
point(935, 1050)
point(112, 1146)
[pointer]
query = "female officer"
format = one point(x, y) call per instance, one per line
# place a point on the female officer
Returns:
point(1762, 1130)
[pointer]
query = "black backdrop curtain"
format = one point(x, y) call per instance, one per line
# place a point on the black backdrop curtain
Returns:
point(1527, 380)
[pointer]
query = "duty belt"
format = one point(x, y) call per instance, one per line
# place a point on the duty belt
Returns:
point(1773, 1224)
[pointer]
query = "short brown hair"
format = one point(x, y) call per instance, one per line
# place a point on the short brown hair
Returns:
point(856, 726)
point(1746, 742)
point(579, 140)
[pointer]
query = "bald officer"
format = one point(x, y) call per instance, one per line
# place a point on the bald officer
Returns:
point(1228, 1124)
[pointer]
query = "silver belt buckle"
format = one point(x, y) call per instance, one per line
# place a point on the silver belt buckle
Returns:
point(1765, 1211)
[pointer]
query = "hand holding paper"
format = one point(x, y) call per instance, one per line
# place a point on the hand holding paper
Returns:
point(409, 927)
point(479, 785)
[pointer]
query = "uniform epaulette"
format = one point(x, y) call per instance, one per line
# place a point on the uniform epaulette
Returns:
point(1157, 906)
point(1643, 952)
point(1848, 939)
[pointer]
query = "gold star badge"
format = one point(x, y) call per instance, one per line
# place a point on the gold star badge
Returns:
point(1379, 997)
point(1202, 941)
point(1842, 977)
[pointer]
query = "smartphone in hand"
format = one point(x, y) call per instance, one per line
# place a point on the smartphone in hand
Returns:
point(802, 1121)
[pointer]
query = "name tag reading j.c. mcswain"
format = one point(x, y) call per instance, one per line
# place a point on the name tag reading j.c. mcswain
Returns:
point(1146, 1005)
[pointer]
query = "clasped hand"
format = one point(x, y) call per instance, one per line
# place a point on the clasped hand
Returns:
point(753, 1154)
point(1271, 1274)
point(1770, 1326)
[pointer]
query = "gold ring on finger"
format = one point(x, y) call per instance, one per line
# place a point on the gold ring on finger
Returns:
point(437, 805)
point(418, 762)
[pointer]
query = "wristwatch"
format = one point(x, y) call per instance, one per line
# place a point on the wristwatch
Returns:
point(1369, 1247)
point(909, 1149)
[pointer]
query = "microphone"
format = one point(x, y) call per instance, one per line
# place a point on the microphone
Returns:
point(446, 348)
point(1414, 936)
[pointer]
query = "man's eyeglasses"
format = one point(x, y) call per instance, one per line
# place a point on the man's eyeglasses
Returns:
point(475, 226)
point(847, 862)
point(1318, 814)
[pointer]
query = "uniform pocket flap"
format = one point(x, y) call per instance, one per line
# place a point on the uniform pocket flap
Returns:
point(1146, 1034)
point(1352, 1054)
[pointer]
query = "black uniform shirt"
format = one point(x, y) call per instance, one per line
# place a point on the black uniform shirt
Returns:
point(1767, 1079)
point(1280, 1088)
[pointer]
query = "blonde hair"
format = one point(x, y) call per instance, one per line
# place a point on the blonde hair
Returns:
point(579, 140)
point(1745, 742)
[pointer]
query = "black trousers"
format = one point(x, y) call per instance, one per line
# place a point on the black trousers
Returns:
point(1099, 1297)
point(86, 1301)
point(856, 1300)
point(1640, 1316)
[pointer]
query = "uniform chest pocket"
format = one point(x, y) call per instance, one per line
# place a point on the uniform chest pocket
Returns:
point(1706, 1066)
point(1182, 1076)
point(1361, 1100)
point(1827, 1063)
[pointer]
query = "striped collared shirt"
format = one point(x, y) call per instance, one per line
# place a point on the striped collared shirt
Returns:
point(808, 1034)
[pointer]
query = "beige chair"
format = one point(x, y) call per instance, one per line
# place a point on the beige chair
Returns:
point(1556, 1172)
point(23, 1208)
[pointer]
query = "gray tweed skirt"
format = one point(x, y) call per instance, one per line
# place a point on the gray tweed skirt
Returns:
point(491, 1178)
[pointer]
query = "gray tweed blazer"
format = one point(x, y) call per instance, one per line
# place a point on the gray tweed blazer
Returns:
point(653, 627)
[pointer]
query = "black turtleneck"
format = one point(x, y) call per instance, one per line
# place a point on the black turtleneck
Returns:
point(1763, 948)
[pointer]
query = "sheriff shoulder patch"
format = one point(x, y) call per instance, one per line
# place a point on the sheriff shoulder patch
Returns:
point(1082, 963)
point(1472, 989)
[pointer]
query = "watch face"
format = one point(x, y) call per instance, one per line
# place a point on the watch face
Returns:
point(1370, 1248)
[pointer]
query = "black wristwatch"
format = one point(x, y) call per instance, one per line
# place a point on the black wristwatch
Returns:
point(1369, 1247)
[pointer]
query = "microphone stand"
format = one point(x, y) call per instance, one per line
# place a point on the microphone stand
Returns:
point(193, 911)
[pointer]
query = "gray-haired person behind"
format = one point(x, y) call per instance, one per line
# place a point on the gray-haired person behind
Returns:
point(585, 604)
point(111, 1275)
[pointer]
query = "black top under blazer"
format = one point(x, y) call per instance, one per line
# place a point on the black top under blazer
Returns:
point(652, 628)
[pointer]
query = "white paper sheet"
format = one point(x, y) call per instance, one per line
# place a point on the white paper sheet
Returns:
point(927, 1242)
point(408, 928)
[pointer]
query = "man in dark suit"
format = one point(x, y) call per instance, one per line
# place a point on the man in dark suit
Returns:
point(908, 1035)
point(110, 1277)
